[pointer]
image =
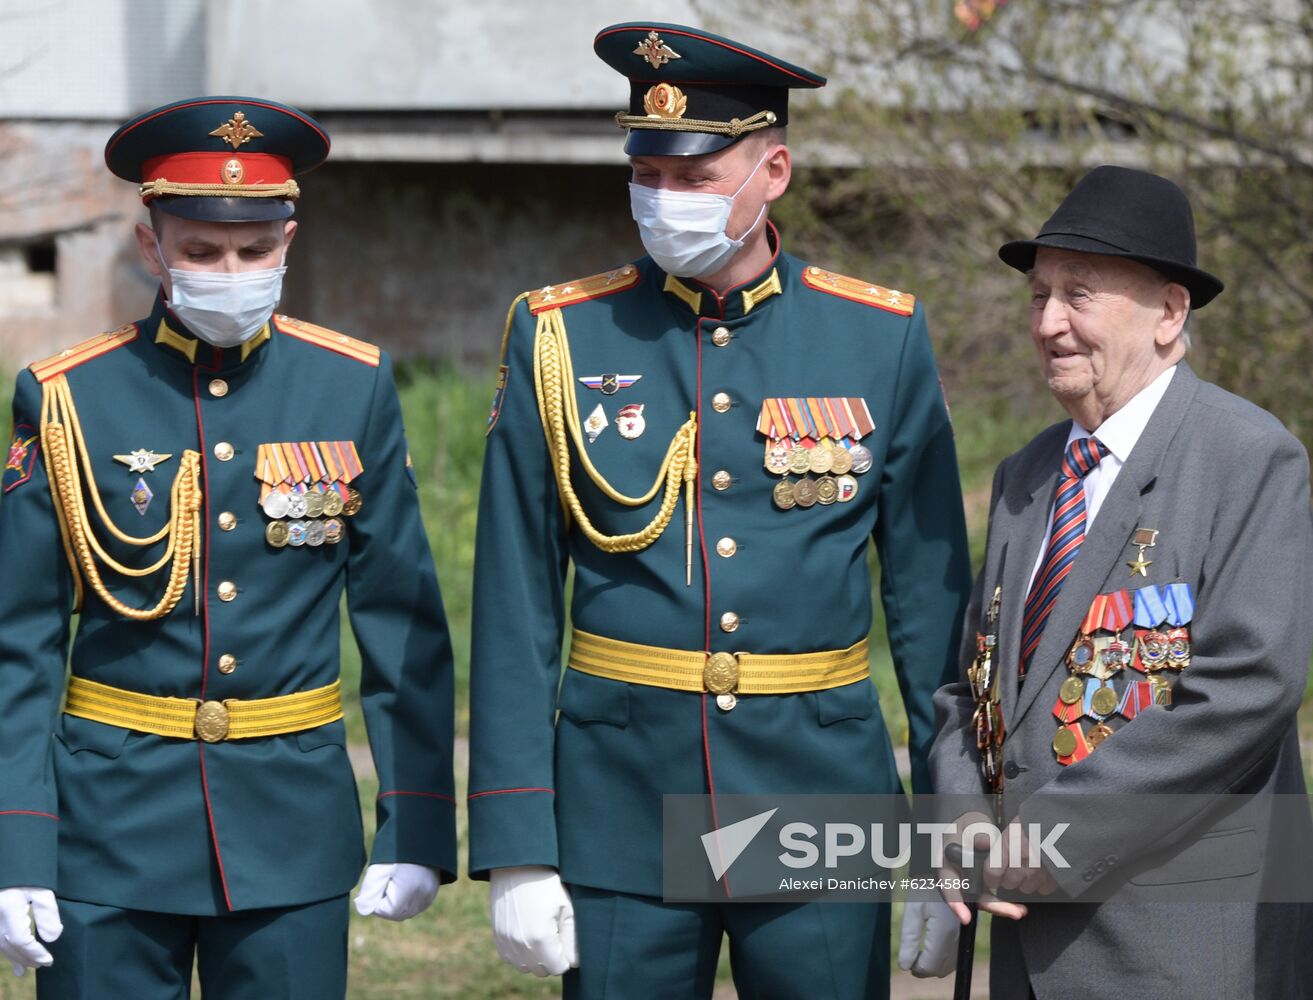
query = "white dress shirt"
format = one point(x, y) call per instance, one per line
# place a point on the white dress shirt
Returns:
point(1118, 434)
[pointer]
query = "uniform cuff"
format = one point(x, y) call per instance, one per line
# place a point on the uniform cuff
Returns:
point(29, 843)
point(512, 827)
point(416, 828)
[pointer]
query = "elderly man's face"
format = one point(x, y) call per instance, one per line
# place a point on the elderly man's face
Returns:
point(1104, 327)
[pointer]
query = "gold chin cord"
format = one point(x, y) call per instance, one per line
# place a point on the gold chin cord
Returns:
point(67, 460)
point(553, 381)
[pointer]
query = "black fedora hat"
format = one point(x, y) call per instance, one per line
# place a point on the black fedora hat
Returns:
point(1120, 212)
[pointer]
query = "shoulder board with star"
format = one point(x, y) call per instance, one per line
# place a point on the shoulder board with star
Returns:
point(583, 289)
point(858, 291)
point(94, 347)
point(322, 336)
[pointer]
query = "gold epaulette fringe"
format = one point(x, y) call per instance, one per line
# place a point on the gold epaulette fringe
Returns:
point(858, 291)
point(321, 336)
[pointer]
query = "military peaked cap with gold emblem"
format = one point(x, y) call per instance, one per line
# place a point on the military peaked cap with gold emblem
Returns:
point(692, 92)
point(219, 159)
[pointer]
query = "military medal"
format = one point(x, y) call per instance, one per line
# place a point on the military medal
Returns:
point(1065, 742)
point(276, 533)
point(314, 505)
point(841, 462)
point(861, 458)
point(297, 506)
point(351, 507)
point(1151, 650)
point(783, 495)
point(275, 505)
point(334, 530)
point(141, 496)
point(295, 533)
point(1104, 701)
point(629, 421)
point(1072, 691)
point(847, 487)
point(1144, 538)
point(1098, 734)
point(142, 460)
point(1178, 648)
point(595, 424)
point(819, 460)
point(315, 533)
point(827, 490)
point(804, 492)
point(800, 462)
point(332, 503)
point(777, 458)
point(1080, 658)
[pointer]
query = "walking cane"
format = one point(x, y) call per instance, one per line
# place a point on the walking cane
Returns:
point(966, 939)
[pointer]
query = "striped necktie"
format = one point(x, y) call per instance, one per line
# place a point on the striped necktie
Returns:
point(1065, 538)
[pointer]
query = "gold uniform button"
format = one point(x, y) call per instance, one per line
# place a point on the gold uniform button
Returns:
point(720, 336)
point(227, 663)
point(227, 591)
point(729, 622)
point(720, 402)
point(726, 547)
point(223, 451)
point(722, 480)
point(227, 520)
point(218, 388)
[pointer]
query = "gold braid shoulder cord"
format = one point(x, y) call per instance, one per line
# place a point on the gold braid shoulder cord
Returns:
point(65, 447)
point(553, 381)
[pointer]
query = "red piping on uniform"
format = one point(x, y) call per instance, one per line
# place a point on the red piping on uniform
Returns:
point(422, 795)
point(713, 41)
point(28, 812)
point(205, 620)
point(509, 791)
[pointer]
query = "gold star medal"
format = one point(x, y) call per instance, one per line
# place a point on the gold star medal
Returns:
point(1145, 538)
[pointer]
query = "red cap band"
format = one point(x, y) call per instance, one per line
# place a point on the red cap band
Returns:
point(232, 168)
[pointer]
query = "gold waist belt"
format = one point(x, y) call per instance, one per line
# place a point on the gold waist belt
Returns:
point(211, 721)
point(719, 673)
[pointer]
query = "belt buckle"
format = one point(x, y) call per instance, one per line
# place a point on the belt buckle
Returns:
point(212, 721)
point(720, 674)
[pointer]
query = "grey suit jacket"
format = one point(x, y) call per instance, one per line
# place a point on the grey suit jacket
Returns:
point(1227, 487)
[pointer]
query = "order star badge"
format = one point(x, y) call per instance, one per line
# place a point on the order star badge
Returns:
point(141, 460)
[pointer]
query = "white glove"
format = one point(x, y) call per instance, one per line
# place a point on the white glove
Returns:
point(17, 943)
point(533, 920)
point(397, 892)
point(937, 954)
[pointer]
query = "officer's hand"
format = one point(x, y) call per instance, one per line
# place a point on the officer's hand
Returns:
point(533, 920)
point(17, 942)
point(397, 891)
point(936, 955)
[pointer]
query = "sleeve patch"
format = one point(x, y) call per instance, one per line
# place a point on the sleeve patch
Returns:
point(498, 394)
point(858, 291)
point(22, 456)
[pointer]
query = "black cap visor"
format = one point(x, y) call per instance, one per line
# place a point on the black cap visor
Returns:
point(220, 209)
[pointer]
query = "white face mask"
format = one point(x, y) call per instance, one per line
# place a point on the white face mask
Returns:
point(684, 231)
point(225, 309)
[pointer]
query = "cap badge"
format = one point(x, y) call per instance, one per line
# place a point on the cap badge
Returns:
point(237, 130)
point(665, 101)
point(655, 51)
point(233, 171)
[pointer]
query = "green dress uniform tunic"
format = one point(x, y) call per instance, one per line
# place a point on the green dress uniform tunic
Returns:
point(119, 818)
point(583, 792)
